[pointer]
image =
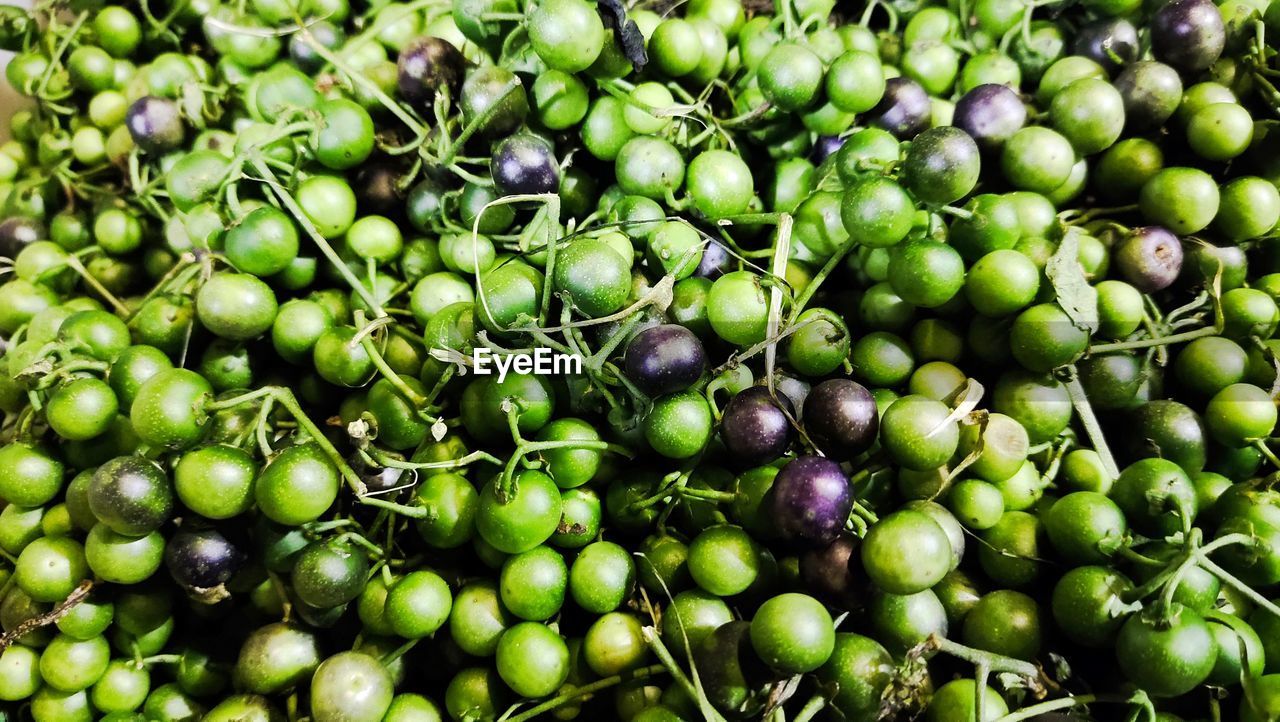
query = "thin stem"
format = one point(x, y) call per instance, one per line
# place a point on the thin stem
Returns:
point(586, 690)
point(994, 662)
point(1267, 453)
point(781, 254)
point(811, 708)
point(412, 512)
point(161, 659)
point(981, 674)
point(416, 465)
point(260, 427)
point(480, 121)
point(364, 82)
point(77, 595)
point(310, 228)
point(751, 219)
point(415, 399)
point(1080, 400)
point(694, 692)
point(240, 400)
point(1052, 705)
point(709, 495)
point(286, 399)
point(1230, 580)
point(803, 299)
point(1150, 342)
point(121, 309)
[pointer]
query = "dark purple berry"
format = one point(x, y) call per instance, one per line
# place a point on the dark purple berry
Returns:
point(377, 188)
point(155, 124)
point(810, 501)
point(715, 262)
point(1151, 92)
point(524, 163)
point(840, 418)
point(791, 389)
point(17, 233)
point(427, 66)
point(1188, 34)
point(1111, 43)
point(755, 427)
point(991, 114)
point(904, 110)
point(664, 359)
point(202, 558)
point(1150, 258)
point(827, 571)
point(826, 146)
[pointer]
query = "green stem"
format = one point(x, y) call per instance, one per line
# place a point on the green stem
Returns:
point(1080, 400)
point(1230, 580)
point(585, 690)
point(161, 659)
point(450, 464)
point(751, 219)
point(1267, 453)
point(480, 121)
point(285, 398)
point(310, 228)
point(415, 399)
point(709, 495)
point(120, 308)
point(55, 61)
point(240, 400)
point(814, 283)
point(184, 263)
point(71, 367)
point(622, 333)
point(811, 708)
point(665, 491)
point(412, 512)
point(694, 691)
point(1052, 705)
point(1150, 342)
point(260, 427)
point(1154, 583)
point(365, 83)
point(359, 540)
point(994, 662)
point(781, 254)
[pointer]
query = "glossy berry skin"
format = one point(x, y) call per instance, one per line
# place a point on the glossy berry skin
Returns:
point(942, 165)
point(664, 359)
point(1150, 258)
point(827, 572)
point(155, 124)
point(840, 417)
point(1151, 93)
point(1166, 660)
point(131, 495)
point(19, 232)
point(1188, 34)
point(904, 110)
point(1111, 42)
point(524, 164)
point(793, 633)
point(425, 67)
point(202, 558)
point(810, 501)
point(756, 427)
point(990, 114)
